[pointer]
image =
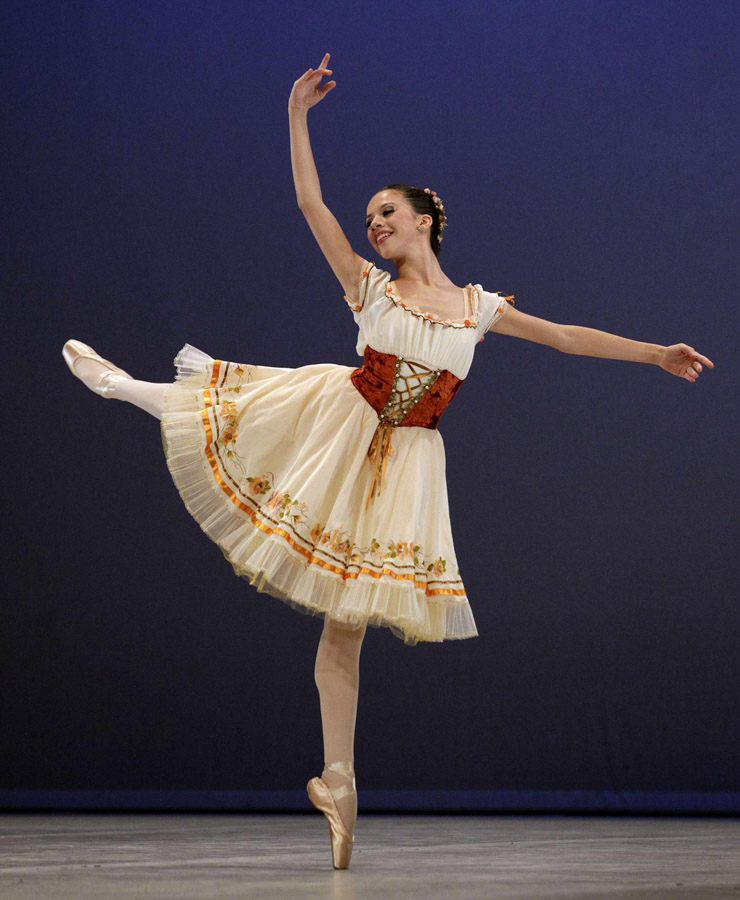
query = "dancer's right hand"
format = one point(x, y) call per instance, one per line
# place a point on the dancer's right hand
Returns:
point(306, 91)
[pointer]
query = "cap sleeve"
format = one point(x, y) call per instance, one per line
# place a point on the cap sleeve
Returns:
point(492, 307)
point(371, 285)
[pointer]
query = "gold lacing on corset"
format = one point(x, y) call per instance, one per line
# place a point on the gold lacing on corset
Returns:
point(411, 380)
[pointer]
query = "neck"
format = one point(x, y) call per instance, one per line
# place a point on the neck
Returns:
point(423, 269)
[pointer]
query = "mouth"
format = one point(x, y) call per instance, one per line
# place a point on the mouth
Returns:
point(382, 237)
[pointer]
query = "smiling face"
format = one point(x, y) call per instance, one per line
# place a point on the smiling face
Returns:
point(392, 224)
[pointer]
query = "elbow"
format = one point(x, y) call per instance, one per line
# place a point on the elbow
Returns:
point(308, 204)
point(565, 340)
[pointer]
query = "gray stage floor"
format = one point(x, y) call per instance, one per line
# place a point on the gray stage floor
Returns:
point(208, 856)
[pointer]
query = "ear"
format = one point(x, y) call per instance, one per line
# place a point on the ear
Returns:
point(426, 221)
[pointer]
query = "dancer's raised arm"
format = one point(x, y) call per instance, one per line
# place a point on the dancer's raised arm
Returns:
point(678, 359)
point(345, 263)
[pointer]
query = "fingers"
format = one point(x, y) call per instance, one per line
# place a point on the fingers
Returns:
point(692, 373)
point(695, 367)
point(323, 66)
point(694, 360)
point(689, 374)
point(315, 74)
point(696, 356)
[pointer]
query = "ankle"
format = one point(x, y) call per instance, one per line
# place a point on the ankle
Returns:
point(340, 779)
point(341, 772)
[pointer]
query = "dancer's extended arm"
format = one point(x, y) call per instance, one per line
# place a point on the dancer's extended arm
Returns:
point(678, 359)
point(306, 93)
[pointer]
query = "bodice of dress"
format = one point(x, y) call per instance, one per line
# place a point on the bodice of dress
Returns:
point(414, 361)
point(389, 325)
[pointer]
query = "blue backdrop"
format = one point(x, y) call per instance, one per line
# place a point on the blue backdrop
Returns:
point(586, 153)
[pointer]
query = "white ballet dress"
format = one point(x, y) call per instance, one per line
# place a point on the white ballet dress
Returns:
point(332, 502)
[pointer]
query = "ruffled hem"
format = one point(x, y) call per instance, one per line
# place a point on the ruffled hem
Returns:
point(265, 554)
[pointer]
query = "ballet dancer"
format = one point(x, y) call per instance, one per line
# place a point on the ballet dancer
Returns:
point(324, 485)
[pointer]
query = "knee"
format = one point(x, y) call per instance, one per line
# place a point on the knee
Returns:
point(339, 648)
point(343, 633)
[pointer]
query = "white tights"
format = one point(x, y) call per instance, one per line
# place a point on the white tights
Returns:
point(337, 669)
point(337, 676)
point(145, 394)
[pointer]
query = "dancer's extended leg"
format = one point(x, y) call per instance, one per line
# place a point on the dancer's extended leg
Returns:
point(108, 380)
point(147, 395)
point(337, 676)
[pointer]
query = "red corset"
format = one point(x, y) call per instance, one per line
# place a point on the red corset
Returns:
point(403, 392)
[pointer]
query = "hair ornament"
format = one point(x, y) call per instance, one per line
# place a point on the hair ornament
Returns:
point(440, 209)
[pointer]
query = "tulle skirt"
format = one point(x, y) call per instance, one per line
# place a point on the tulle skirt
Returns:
point(273, 464)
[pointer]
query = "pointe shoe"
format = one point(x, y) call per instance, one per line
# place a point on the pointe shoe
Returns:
point(74, 351)
point(323, 798)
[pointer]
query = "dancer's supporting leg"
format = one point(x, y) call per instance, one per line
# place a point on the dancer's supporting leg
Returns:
point(337, 676)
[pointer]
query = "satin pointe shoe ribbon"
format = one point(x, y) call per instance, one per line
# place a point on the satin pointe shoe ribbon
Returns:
point(106, 384)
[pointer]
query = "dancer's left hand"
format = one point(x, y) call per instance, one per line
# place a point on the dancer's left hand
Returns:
point(684, 361)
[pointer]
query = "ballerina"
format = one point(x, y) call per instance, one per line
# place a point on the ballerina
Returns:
point(324, 485)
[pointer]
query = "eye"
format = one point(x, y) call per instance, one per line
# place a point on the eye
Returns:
point(386, 212)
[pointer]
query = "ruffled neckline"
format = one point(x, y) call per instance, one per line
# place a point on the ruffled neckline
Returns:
point(465, 322)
